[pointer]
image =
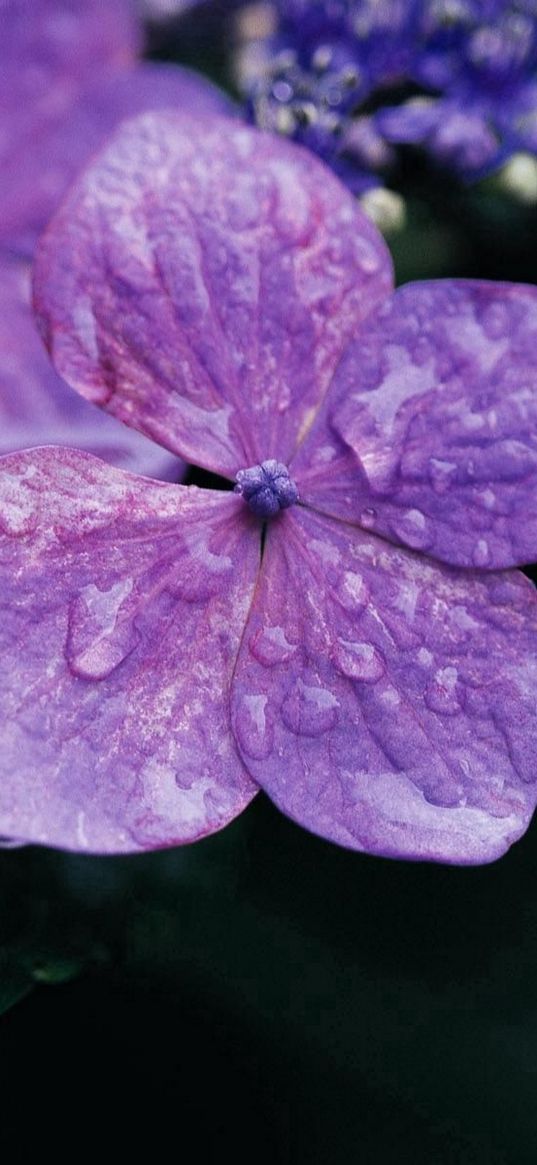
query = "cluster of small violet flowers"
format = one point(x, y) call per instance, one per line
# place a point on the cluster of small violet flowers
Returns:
point(351, 79)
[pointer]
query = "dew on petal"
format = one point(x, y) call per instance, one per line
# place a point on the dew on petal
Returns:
point(441, 474)
point(270, 646)
point(359, 661)
point(97, 641)
point(200, 552)
point(412, 527)
point(471, 422)
point(441, 695)
point(367, 517)
point(390, 698)
point(481, 554)
point(369, 262)
point(309, 710)
point(324, 550)
point(487, 498)
point(253, 732)
point(352, 592)
point(202, 580)
point(495, 321)
point(407, 600)
point(462, 620)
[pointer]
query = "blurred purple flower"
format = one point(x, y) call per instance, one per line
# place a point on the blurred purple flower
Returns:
point(68, 76)
point(457, 76)
point(363, 655)
point(478, 62)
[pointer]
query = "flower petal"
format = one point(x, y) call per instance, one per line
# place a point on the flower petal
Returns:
point(50, 50)
point(429, 432)
point(200, 282)
point(35, 178)
point(37, 408)
point(45, 42)
point(122, 605)
point(386, 702)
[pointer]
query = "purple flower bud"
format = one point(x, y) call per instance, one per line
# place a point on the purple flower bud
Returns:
point(267, 488)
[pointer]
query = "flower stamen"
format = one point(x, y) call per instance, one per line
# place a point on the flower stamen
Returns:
point(267, 488)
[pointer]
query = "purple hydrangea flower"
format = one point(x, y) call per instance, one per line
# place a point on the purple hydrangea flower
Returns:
point(68, 76)
point(311, 77)
point(38, 408)
point(365, 654)
point(478, 63)
point(464, 73)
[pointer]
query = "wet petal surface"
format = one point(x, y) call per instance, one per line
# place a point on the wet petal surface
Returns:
point(200, 283)
point(386, 702)
point(37, 408)
point(429, 435)
point(122, 606)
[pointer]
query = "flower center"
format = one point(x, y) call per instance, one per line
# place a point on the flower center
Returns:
point(267, 488)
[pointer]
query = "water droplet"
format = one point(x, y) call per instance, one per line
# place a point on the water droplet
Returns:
point(441, 694)
point(441, 474)
point(309, 710)
point(359, 661)
point(481, 554)
point(486, 497)
point(425, 657)
point(270, 646)
point(390, 698)
point(472, 422)
point(461, 620)
point(254, 734)
point(492, 418)
point(413, 528)
point(367, 517)
point(352, 592)
point(200, 574)
point(98, 641)
point(326, 551)
point(367, 257)
point(284, 398)
point(495, 321)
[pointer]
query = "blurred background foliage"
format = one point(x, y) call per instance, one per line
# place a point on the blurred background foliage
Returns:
point(267, 994)
point(263, 993)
